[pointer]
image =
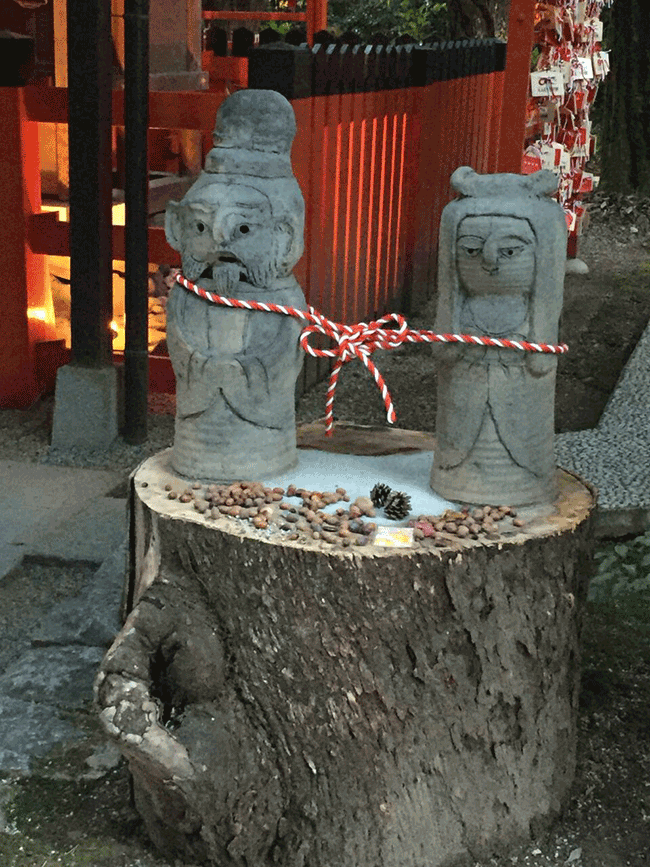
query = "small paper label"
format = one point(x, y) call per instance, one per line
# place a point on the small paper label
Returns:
point(394, 537)
point(547, 82)
point(586, 183)
point(597, 26)
point(530, 163)
point(582, 69)
point(570, 220)
point(601, 63)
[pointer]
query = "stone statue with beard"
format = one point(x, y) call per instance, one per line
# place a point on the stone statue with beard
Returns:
point(239, 230)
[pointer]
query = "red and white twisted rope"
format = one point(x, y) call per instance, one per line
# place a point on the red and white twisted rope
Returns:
point(361, 340)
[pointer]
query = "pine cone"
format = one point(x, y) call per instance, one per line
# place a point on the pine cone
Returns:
point(397, 506)
point(379, 494)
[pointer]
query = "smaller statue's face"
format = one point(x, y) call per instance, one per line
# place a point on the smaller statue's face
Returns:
point(228, 232)
point(495, 255)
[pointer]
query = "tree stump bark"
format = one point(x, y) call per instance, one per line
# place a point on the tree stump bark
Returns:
point(284, 702)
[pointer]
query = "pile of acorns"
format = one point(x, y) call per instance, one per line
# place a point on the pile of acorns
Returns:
point(465, 524)
point(266, 508)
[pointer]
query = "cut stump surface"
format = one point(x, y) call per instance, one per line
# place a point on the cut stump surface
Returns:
point(287, 702)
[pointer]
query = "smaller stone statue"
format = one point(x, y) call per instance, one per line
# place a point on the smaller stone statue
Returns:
point(501, 274)
point(239, 230)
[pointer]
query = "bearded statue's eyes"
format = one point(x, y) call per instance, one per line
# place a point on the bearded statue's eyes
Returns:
point(200, 227)
point(244, 229)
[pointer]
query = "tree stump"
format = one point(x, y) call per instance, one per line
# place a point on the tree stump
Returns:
point(287, 702)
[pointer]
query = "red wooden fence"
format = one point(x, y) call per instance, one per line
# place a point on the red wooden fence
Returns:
point(379, 133)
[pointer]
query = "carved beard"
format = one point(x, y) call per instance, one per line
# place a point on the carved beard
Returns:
point(263, 274)
point(277, 264)
point(192, 268)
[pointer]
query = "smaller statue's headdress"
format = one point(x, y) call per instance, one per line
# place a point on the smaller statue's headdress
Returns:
point(537, 185)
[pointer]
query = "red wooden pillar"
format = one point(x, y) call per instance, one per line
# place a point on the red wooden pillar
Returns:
point(515, 88)
point(25, 301)
point(316, 18)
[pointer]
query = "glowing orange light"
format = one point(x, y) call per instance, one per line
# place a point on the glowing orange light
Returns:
point(39, 313)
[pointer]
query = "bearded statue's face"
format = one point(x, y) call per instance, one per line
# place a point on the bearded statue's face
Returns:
point(226, 233)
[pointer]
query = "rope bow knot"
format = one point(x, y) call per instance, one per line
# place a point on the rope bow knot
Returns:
point(355, 341)
point(361, 340)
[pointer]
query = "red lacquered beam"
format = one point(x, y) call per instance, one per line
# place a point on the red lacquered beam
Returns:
point(47, 235)
point(187, 109)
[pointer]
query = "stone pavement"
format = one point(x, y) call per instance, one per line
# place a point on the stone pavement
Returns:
point(68, 515)
point(615, 455)
point(57, 516)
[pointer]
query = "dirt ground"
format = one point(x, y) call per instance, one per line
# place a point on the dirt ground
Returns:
point(67, 813)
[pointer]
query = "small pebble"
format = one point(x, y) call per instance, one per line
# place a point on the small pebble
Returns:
point(518, 522)
point(462, 531)
point(365, 504)
point(172, 495)
point(168, 487)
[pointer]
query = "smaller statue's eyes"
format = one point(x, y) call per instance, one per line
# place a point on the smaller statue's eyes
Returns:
point(244, 229)
point(201, 227)
point(510, 252)
point(471, 251)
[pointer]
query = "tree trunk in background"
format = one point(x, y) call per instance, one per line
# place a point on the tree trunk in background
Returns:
point(287, 703)
point(625, 99)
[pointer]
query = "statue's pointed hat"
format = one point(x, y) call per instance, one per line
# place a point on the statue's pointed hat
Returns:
point(253, 134)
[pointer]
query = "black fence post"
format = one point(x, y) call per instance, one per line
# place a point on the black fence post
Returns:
point(136, 301)
point(89, 123)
